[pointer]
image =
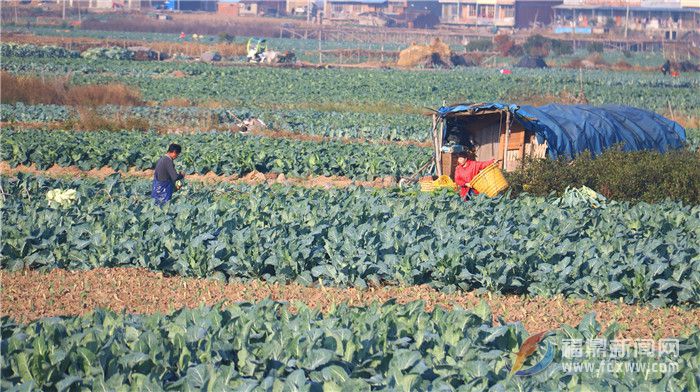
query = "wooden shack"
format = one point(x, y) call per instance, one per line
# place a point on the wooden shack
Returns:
point(491, 133)
point(512, 133)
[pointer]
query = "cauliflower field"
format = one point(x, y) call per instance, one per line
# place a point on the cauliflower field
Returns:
point(312, 201)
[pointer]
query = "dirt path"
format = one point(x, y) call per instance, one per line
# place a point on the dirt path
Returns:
point(29, 295)
point(252, 178)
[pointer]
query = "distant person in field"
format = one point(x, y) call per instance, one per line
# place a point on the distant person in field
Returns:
point(467, 168)
point(165, 176)
point(666, 68)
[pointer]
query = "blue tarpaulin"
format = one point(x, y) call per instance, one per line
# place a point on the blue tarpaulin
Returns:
point(570, 130)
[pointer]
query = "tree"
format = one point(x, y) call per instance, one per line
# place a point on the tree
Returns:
point(537, 46)
point(503, 44)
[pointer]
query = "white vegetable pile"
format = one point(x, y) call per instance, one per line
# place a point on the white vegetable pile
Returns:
point(61, 198)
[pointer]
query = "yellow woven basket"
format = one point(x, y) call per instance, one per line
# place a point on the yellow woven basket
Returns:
point(442, 182)
point(490, 181)
point(426, 185)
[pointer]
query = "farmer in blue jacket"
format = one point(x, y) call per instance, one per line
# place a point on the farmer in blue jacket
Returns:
point(165, 176)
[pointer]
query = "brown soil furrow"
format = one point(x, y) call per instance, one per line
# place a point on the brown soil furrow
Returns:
point(269, 133)
point(29, 295)
point(252, 178)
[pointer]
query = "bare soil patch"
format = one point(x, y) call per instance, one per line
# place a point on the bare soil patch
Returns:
point(29, 295)
point(251, 178)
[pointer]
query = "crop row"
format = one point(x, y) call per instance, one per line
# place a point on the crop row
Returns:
point(373, 126)
point(219, 152)
point(250, 86)
point(360, 237)
point(266, 347)
point(27, 50)
point(11, 49)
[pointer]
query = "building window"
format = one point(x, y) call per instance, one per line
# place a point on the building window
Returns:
point(449, 11)
point(395, 9)
point(357, 8)
point(508, 11)
point(486, 11)
point(471, 10)
point(337, 8)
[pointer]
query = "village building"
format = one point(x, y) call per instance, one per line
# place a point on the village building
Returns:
point(497, 13)
point(354, 10)
point(669, 18)
point(228, 7)
point(263, 7)
point(534, 13)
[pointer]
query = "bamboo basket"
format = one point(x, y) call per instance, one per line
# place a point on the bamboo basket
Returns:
point(443, 182)
point(490, 181)
point(426, 185)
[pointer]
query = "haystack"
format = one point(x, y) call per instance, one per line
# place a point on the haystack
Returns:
point(210, 56)
point(437, 54)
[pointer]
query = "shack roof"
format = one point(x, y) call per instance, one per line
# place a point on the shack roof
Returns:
point(572, 129)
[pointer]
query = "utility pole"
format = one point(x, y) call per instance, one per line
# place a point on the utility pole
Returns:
point(308, 11)
point(573, 31)
point(64, 9)
point(495, 12)
point(627, 19)
point(320, 58)
point(459, 11)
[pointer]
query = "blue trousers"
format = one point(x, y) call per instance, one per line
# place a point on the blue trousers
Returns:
point(162, 191)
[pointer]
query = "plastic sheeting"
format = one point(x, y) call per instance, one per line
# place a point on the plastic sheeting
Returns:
point(570, 130)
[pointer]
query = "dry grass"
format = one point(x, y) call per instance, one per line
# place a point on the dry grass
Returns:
point(363, 107)
point(564, 97)
point(597, 59)
point(89, 120)
point(34, 90)
point(622, 64)
point(98, 95)
point(686, 121)
point(195, 49)
point(178, 102)
point(212, 104)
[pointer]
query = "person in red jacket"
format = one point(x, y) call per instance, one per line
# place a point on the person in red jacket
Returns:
point(466, 169)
